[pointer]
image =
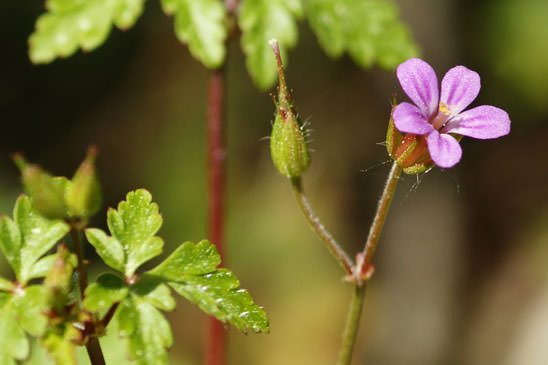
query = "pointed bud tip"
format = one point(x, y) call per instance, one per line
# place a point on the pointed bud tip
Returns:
point(19, 160)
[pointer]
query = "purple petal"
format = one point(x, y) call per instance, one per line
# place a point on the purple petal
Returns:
point(459, 87)
point(418, 80)
point(482, 122)
point(409, 119)
point(444, 150)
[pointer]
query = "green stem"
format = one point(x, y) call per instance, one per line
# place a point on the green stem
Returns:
point(76, 234)
point(363, 265)
point(352, 323)
point(335, 249)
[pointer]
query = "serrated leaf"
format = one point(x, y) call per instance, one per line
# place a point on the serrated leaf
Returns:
point(107, 290)
point(261, 21)
point(26, 238)
point(369, 30)
point(201, 25)
point(189, 259)
point(71, 24)
point(134, 225)
point(107, 247)
point(153, 291)
point(217, 294)
point(147, 331)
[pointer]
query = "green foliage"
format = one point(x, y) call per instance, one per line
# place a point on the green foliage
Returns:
point(26, 238)
point(133, 226)
point(261, 21)
point(369, 30)
point(191, 270)
point(201, 25)
point(70, 24)
point(20, 310)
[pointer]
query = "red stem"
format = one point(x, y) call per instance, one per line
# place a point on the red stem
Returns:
point(215, 341)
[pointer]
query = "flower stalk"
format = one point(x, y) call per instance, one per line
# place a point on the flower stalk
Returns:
point(336, 250)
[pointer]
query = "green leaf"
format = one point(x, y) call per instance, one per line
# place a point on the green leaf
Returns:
point(26, 238)
point(29, 309)
point(261, 21)
point(217, 294)
point(6, 285)
point(134, 225)
point(151, 290)
point(369, 30)
point(14, 344)
point(147, 331)
point(189, 259)
point(101, 295)
point(20, 311)
point(201, 25)
point(42, 266)
point(107, 247)
point(71, 24)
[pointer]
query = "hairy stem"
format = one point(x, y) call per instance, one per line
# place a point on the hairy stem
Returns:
point(335, 249)
point(363, 265)
point(215, 342)
point(380, 217)
point(352, 324)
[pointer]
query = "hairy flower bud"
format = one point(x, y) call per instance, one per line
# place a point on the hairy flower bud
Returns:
point(288, 139)
point(410, 151)
point(83, 196)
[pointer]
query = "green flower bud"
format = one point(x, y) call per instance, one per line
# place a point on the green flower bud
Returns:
point(47, 192)
point(288, 139)
point(83, 196)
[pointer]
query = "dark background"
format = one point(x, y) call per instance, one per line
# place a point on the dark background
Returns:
point(461, 271)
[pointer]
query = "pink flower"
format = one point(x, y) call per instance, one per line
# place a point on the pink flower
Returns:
point(437, 118)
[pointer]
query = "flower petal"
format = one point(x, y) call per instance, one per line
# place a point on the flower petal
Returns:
point(459, 87)
point(419, 81)
point(444, 150)
point(409, 119)
point(482, 122)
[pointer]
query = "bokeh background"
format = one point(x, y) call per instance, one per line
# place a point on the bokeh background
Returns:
point(462, 267)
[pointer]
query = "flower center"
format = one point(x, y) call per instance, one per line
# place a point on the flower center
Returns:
point(441, 116)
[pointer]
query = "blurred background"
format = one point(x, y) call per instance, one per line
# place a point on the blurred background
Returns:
point(462, 267)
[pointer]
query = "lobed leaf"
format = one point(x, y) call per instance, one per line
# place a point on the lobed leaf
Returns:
point(20, 311)
point(6, 285)
point(201, 25)
point(134, 225)
point(189, 259)
point(72, 24)
point(217, 294)
point(261, 21)
point(369, 30)
point(108, 248)
point(26, 238)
